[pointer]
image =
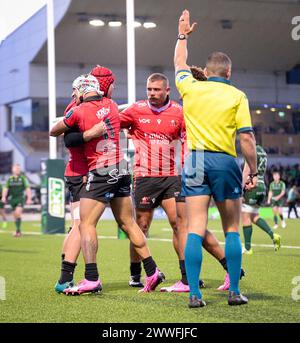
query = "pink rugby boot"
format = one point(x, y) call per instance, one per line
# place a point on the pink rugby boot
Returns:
point(84, 286)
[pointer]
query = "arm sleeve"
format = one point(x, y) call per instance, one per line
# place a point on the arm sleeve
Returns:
point(71, 118)
point(73, 139)
point(25, 181)
point(126, 118)
point(70, 106)
point(183, 80)
point(243, 117)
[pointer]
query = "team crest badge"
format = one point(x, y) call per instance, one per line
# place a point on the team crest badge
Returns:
point(69, 114)
point(145, 201)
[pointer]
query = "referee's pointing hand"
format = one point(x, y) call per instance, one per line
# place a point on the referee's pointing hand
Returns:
point(184, 23)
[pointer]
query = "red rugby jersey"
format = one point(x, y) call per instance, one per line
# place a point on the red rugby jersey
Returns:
point(77, 164)
point(156, 133)
point(103, 151)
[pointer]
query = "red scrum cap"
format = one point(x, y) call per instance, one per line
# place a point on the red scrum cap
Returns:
point(104, 76)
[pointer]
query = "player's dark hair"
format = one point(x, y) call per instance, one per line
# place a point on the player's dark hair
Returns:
point(198, 73)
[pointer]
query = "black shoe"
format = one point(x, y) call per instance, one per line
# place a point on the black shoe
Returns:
point(236, 299)
point(201, 284)
point(243, 273)
point(196, 302)
point(135, 281)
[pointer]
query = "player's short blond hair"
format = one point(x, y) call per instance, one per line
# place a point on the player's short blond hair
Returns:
point(218, 64)
point(159, 77)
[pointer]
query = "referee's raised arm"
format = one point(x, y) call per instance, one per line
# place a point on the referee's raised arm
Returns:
point(184, 29)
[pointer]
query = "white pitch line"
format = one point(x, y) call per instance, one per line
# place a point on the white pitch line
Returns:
point(223, 243)
point(152, 239)
point(29, 233)
point(170, 230)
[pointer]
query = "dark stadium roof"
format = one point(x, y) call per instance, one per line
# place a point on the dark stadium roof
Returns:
point(260, 37)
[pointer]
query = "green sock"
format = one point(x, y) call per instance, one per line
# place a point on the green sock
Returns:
point(18, 224)
point(247, 236)
point(265, 227)
point(275, 220)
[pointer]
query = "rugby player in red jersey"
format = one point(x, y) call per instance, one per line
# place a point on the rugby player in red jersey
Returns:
point(155, 126)
point(75, 177)
point(108, 181)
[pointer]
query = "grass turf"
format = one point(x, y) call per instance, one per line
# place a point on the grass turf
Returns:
point(31, 266)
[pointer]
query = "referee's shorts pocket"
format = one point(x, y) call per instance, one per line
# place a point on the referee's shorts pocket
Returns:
point(226, 182)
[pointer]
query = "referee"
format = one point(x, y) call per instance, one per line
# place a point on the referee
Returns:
point(214, 111)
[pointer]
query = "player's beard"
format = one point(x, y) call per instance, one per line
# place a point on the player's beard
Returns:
point(153, 101)
point(156, 102)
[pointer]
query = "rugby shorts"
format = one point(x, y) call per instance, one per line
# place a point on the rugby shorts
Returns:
point(150, 191)
point(211, 173)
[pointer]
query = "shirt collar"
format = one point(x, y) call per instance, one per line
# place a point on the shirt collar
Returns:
point(93, 98)
point(219, 79)
point(160, 109)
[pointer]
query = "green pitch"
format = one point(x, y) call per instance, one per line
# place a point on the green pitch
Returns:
point(31, 266)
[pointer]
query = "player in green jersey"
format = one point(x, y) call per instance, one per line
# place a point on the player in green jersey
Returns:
point(2, 211)
point(276, 198)
point(13, 192)
point(253, 200)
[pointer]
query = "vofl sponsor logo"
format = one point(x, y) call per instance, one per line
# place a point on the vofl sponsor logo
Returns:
point(56, 197)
